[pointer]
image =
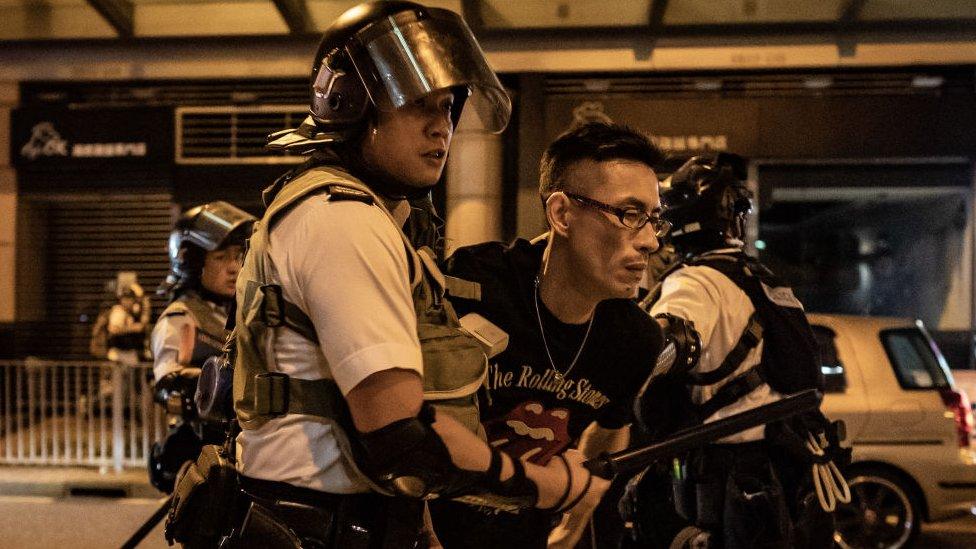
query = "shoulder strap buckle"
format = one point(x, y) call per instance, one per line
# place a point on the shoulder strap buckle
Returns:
point(272, 306)
point(271, 394)
point(276, 311)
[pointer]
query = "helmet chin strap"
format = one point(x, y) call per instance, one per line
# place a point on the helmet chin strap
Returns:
point(388, 187)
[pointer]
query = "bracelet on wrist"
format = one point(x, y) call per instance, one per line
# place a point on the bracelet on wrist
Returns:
point(579, 498)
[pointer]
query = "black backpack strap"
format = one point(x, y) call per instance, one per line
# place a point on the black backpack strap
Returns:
point(654, 293)
point(731, 392)
point(750, 338)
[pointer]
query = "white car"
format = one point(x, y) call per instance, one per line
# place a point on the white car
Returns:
point(912, 432)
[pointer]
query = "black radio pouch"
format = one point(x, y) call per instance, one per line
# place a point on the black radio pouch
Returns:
point(204, 499)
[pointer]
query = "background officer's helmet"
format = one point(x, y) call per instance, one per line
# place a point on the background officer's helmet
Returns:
point(384, 55)
point(706, 202)
point(132, 289)
point(200, 230)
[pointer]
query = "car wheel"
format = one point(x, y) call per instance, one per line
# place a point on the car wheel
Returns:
point(883, 513)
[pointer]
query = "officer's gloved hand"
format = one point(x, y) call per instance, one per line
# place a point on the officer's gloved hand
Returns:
point(175, 391)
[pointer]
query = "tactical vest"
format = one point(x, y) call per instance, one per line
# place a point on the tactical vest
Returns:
point(790, 359)
point(210, 334)
point(454, 364)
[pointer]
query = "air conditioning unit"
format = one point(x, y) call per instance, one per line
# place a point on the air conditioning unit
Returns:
point(234, 134)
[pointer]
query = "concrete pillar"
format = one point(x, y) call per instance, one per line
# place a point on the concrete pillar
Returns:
point(958, 309)
point(8, 208)
point(530, 217)
point(474, 185)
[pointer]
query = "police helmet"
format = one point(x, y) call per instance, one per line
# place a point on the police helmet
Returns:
point(384, 55)
point(132, 289)
point(706, 201)
point(200, 230)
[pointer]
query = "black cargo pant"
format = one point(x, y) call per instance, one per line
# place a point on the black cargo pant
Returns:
point(729, 490)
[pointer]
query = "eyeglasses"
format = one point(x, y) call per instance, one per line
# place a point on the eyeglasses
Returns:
point(233, 254)
point(632, 218)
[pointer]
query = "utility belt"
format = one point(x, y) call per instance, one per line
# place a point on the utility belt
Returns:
point(205, 499)
point(733, 489)
point(282, 515)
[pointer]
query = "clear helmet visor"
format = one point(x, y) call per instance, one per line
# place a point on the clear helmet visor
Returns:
point(403, 58)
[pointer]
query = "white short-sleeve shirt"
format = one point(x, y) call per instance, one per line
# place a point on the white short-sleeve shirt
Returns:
point(344, 264)
point(720, 311)
point(166, 337)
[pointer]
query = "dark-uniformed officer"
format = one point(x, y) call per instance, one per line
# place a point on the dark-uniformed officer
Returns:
point(738, 339)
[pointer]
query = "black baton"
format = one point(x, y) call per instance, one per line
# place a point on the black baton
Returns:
point(148, 526)
point(607, 465)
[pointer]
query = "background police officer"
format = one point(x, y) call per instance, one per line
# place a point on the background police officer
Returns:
point(738, 339)
point(205, 251)
point(339, 311)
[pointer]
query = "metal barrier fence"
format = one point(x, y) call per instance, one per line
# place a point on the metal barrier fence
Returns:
point(87, 413)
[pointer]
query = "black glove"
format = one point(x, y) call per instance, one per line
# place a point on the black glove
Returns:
point(175, 391)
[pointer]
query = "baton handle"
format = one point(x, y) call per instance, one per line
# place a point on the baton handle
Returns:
point(148, 526)
point(607, 465)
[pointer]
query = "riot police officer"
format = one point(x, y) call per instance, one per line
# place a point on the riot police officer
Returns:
point(738, 339)
point(353, 384)
point(205, 251)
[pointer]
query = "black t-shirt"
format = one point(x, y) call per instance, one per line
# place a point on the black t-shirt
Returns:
point(526, 409)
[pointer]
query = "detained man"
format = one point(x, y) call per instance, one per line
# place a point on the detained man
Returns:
point(579, 347)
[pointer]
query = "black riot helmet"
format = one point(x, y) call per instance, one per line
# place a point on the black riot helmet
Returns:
point(200, 230)
point(384, 55)
point(706, 202)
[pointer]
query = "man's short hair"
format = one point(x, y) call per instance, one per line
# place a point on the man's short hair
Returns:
point(593, 141)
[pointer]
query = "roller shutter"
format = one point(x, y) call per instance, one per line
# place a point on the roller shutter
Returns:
point(91, 238)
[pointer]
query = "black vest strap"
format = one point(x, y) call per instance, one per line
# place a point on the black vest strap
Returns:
point(731, 392)
point(277, 394)
point(751, 336)
point(278, 311)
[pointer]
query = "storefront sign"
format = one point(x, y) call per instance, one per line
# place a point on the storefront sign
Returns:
point(836, 127)
point(676, 126)
point(65, 137)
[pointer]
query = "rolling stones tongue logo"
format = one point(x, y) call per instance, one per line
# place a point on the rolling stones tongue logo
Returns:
point(531, 432)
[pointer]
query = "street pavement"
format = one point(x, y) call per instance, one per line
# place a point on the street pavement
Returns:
point(43, 507)
point(41, 522)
